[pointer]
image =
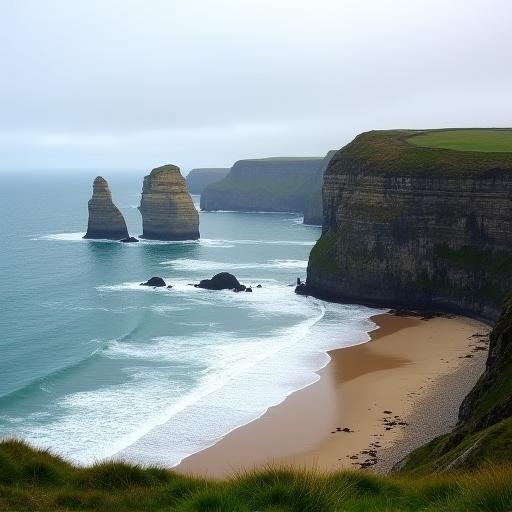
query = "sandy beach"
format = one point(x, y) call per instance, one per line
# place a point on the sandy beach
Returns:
point(373, 404)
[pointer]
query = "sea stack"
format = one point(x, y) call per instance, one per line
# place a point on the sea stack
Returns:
point(105, 219)
point(167, 210)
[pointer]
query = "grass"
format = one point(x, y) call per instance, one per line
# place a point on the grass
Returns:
point(487, 141)
point(391, 153)
point(116, 487)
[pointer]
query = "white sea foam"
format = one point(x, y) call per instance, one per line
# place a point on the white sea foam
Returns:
point(204, 265)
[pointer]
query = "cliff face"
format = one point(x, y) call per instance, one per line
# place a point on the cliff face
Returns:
point(168, 212)
point(105, 219)
point(266, 184)
point(415, 227)
point(313, 210)
point(199, 179)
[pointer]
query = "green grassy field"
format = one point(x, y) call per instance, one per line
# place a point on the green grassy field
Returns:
point(487, 141)
point(36, 480)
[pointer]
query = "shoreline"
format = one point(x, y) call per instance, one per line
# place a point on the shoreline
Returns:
point(373, 404)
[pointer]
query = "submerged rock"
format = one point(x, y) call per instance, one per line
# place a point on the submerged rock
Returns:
point(129, 240)
point(105, 219)
point(167, 210)
point(222, 281)
point(154, 281)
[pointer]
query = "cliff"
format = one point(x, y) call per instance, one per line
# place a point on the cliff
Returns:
point(265, 184)
point(199, 179)
point(167, 210)
point(484, 432)
point(313, 211)
point(416, 227)
point(105, 219)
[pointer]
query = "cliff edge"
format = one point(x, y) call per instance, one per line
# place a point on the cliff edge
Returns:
point(199, 179)
point(415, 227)
point(167, 210)
point(105, 219)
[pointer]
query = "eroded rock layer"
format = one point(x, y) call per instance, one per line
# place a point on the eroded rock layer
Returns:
point(415, 227)
point(105, 219)
point(167, 210)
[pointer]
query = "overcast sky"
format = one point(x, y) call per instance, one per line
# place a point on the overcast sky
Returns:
point(125, 84)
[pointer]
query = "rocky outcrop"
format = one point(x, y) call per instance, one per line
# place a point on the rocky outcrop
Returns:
point(167, 210)
point(313, 211)
point(156, 282)
point(265, 184)
point(222, 281)
point(105, 219)
point(406, 226)
point(199, 179)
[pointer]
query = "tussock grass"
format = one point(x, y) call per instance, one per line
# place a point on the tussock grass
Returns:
point(32, 479)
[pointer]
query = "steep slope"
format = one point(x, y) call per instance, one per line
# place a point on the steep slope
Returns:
point(484, 432)
point(415, 227)
point(167, 210)
point(265, 184)
point(313, 211)
point(199, 179)
point(105, 219)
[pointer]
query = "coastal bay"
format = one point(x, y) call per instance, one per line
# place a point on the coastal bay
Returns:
point(393, 393)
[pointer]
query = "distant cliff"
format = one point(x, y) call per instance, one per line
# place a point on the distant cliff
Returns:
point(415, 227)
point(199, 179)
point(313, 213)
point(265, 184)
point(105, 219)
point(167, 210)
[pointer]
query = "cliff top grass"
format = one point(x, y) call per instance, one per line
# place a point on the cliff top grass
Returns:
point(393, 152)
point(32, 479)
point(487, 141)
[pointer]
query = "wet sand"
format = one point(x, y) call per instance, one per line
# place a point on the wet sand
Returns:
point(373, 404)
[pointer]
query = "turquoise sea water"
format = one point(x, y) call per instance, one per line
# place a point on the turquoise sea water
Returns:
point(94, 365)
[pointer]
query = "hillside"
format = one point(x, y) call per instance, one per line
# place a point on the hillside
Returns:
point(266, 184)
point(199, 179)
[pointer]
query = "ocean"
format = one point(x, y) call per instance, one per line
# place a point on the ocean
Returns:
point(93, 365)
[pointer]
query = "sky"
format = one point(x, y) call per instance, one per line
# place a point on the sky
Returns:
point(126, 85)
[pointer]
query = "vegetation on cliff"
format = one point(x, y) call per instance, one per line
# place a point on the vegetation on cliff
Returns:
point(265, 184)
point(397, 152)
point(32, 479)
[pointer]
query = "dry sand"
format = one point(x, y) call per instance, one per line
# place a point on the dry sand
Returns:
point(393, 394)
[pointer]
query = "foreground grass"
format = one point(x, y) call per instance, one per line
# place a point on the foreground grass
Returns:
point(488, 141)
point(37, 480)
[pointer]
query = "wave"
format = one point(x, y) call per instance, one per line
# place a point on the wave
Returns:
point(204, 265)
point(207, 242)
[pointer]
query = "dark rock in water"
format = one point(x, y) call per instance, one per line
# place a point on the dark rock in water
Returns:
point(301, 289)
point(169, 286)
point(129, 240)
point(105, 219)
point(167, 210)
point(248, 289)
point(259, 286)
point(222, 281)
point(154, 281)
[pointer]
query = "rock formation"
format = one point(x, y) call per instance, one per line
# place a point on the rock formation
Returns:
point(105, 219)
point(407, 226)
point(265, 184)
point(199, 179)
point(155, 282)
point(221, 281)
point(313, 211)
point(167, 210)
